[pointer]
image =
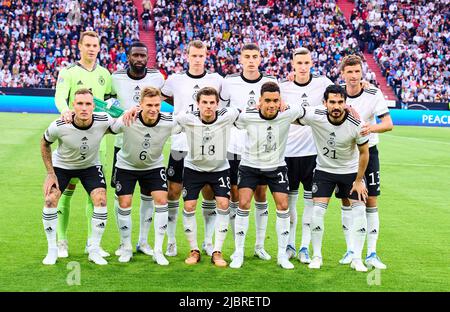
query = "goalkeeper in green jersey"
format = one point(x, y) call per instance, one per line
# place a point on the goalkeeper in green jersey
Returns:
point(85, 73)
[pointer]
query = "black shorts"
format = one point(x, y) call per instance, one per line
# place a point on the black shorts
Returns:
point(194, 181)
point(372, 173)
point(301, 169)
point(324, 183)
point(149, 180)
point(276, 179)
point(113, 177)
point(176, 166)
point(91, 178)
point(234, 160)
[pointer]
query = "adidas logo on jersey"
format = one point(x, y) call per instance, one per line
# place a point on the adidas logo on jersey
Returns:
point(148, 136)
point(137, 88)
point(187, 231)
point(84, 139)
point(269, 128)
point(240, 233)
point(333, 134)
point(316, 229)
point(196, 87)
point(251, 93)
point(79, 83)
point(304, 95)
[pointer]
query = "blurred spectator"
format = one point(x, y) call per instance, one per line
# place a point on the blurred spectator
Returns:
point(278, 26)
point(38, 38)
point(414, 54)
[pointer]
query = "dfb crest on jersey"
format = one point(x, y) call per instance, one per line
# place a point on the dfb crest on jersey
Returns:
point(146, 143)
point(305, 103)
point(194, 95)
point(207, 136)
point(331, 141)
point(101, 80)
point(84, 148)
point(137, 94)
point(251, 102)
point(269, 136)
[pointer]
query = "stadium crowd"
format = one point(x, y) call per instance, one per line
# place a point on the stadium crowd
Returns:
point(410, 40)
point(277, 26)
point(38, 38)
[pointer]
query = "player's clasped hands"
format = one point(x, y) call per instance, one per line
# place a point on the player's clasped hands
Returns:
point(360, 188)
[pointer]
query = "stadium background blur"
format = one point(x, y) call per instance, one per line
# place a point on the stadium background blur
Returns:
point(406, 51)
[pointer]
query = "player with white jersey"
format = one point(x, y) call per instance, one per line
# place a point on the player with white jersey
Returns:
point(263, 164)
point(306, 90)
point(182, 88)
point(127, 86)
point(77, 156)
point(370, 104)
point(208, 134)
point(242, 91)
point(342, 157)
point(140, 159)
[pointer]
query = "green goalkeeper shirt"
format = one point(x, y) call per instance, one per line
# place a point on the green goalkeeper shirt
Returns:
point(75, 77)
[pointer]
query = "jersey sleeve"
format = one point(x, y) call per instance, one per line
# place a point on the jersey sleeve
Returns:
point(160, 82)
point(306, 117)
point(62, 91)
point(224, 94)
point(360, 139)
point(117, 126)
point(232, 114)
point(51, 134)
point(381, 107)
point(167, 88)
point(241, 122)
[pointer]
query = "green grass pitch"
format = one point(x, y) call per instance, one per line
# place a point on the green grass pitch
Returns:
point(414, 237)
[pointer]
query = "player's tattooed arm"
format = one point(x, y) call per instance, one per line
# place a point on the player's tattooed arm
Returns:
point(51, 180)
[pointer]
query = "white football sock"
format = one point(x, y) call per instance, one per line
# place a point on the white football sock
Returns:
point(317, 227)
point(346, 216)
point(145, 217)
point(116, 214)
point(172, 220)
point(292, 206)
point(160, 224)
point(50, 222)
point(261, 217)
point(124, 218)
point(233, 209)
point(221, 227)
point(282, 226)
point(241, 228)
point(209, 216)
point(190, 229)
point(373, 229)
point(306, 219)
point(359, 228)
point(98, 223)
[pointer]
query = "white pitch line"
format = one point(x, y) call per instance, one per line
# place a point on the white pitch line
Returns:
point(413, 165)
point(415, 139)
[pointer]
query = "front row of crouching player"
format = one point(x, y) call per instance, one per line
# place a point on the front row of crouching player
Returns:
point(341, 162)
